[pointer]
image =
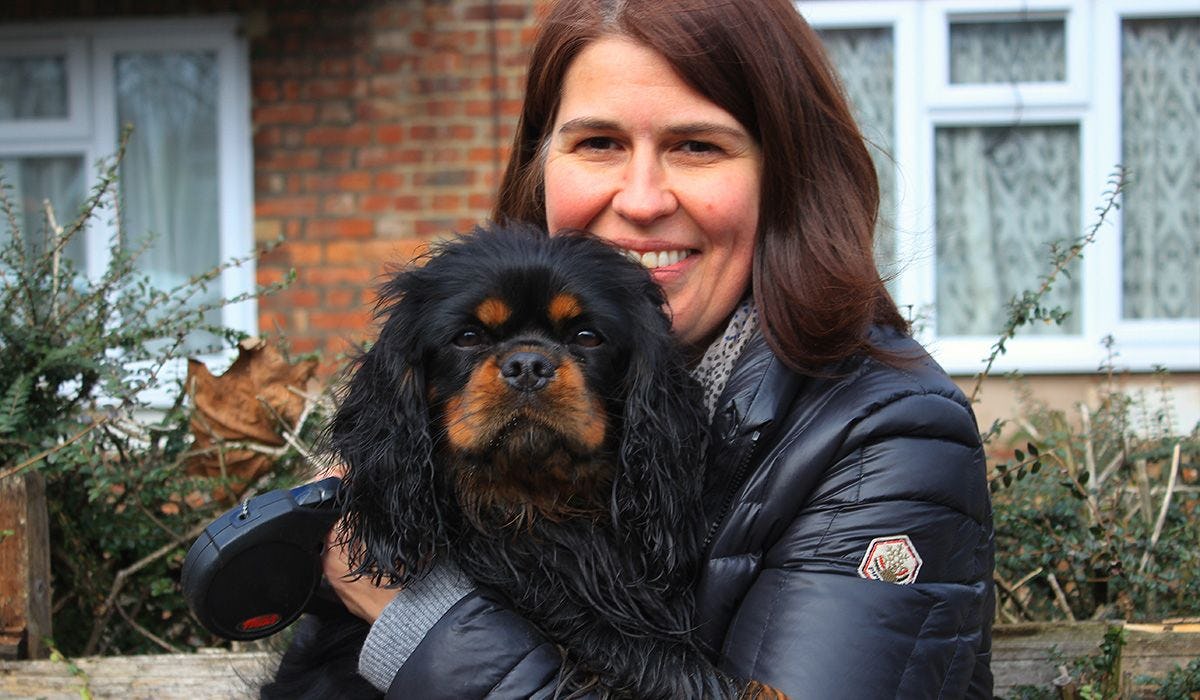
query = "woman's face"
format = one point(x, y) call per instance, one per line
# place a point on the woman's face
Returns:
point(642, 160)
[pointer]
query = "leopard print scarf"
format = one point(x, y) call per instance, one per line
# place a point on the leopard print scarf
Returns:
point(716, 365)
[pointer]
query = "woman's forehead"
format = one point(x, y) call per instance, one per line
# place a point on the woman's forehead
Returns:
point(616, 83)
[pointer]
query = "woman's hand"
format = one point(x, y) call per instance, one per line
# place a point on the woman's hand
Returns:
point(361, 597)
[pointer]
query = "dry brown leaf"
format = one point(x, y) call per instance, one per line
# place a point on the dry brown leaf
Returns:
point(250, 403)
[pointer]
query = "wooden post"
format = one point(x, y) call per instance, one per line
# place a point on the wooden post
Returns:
point(24, 567)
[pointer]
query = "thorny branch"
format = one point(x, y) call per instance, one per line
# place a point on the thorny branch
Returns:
point(1026, 308)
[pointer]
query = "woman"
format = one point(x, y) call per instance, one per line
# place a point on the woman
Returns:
point(850, 549)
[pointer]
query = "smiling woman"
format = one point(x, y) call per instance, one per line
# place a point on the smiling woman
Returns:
point(709, 78)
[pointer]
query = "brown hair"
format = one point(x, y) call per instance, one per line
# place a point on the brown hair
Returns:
point(814, 277)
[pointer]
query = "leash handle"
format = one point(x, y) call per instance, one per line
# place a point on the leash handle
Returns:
point(257, 567)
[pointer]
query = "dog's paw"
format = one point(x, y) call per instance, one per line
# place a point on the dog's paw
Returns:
point(758, 691)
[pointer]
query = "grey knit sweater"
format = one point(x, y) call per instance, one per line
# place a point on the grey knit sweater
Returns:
point(403, 623)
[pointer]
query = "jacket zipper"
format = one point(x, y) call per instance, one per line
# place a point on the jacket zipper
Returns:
point(736, 482)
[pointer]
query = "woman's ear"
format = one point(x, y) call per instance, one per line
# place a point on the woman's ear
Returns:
point(393, 520)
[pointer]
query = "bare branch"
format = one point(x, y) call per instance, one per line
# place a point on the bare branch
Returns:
point(106, 610)
point(1021, 309)
point(1060, 598)
point(147, 633)
point(1162, 512)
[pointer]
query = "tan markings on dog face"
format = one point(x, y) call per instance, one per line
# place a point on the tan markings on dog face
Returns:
point(458, 430)
point(492, 312)
point(581, 414)
point(564, 307)
point(469, 415)
point(487, 405)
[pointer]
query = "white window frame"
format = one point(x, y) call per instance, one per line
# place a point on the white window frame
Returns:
point(1089, 96)
point(91, 129)
point(77, 123)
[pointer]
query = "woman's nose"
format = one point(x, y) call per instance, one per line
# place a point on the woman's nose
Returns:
point(645, 194)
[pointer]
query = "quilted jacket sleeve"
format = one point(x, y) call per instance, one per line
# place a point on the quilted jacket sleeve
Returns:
point(479, 649)
point(907, 475)
point(482, 649)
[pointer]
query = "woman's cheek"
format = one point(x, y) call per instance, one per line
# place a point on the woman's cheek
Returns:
point(561, 200)
point(575, 193)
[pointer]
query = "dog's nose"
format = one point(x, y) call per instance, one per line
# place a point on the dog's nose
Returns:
point(527, 371)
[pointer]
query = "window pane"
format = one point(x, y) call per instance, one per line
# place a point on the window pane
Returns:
point(864, 59)
point(1160, 120)
point(1008, 51)
point(169, 175)
point(1003, 195)
point(59, 179)
point(33, 87)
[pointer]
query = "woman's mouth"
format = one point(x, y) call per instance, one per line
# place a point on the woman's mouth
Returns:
point(652, 260)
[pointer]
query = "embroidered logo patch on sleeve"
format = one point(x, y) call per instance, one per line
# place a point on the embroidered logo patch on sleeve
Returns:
point(891, 559)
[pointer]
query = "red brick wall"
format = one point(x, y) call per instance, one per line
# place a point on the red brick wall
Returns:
point(375, 130)
point(377, 127)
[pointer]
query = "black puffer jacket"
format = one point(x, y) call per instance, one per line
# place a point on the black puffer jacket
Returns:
point(816, 485)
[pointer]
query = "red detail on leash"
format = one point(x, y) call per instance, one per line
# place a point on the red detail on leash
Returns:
point(259, 622)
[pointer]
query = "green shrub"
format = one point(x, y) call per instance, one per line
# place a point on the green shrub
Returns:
point(77, 357)
point(1093, 677)
point(1183, 683)
point(1092, 518)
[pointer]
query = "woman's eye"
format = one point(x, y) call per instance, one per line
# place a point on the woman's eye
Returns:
point(586, 338)
point(597, 143)
point(468, 339)
point(701, 147)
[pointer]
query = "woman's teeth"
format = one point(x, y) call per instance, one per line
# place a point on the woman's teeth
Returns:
point(662, 258)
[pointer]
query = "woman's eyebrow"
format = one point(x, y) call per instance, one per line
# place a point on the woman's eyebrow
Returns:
point(706, 129)
point(588, 124)
point(685, 129)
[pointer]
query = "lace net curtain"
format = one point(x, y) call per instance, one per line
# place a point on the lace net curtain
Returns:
point(169, 176)
point(1005, 193)
point(1160, 115)
point(1002, 52)
point(864, 61)
point(33, 88)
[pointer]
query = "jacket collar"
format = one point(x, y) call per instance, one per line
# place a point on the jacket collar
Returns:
point(759, 390)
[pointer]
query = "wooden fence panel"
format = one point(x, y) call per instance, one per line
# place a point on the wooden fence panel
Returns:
point(200, 676)
point(1023, 655)
point(24, 567)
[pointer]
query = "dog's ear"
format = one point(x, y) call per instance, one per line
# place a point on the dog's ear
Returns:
point(656, 497)
point(393, 522)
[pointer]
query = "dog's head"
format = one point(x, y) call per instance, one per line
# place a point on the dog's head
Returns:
point(517, 377)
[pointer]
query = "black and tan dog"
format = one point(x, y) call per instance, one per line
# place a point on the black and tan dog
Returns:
point(526, 413)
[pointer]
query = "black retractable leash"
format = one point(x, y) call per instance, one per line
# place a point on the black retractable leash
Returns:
point(258, 567)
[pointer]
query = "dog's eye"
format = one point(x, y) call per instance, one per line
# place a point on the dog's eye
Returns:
point(468, 339)
point(587, 338)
